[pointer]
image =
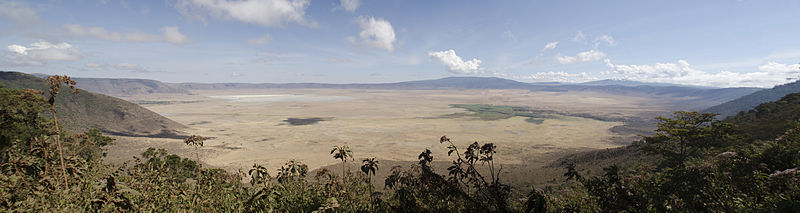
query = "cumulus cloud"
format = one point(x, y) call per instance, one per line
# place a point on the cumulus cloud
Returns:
point(39, 53)
point(350, 5)
point(169, 34)
point(377, 33)
point(591, 55)
point(455, 64)
point(775, 67)
point(260, 40)
point(560, 77)
point(267, 13)
point(769, 74)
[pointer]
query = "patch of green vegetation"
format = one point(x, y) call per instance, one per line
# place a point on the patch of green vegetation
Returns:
point(490, 112)
point(534, 120)
point(303, 121)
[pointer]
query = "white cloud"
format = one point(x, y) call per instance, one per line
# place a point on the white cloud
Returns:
point(377, 33)
point(607, 39)
point(774, 67)
point(559, 77)
point(769, 74)
point(549, 46)
point(39, 53)
point(173, 36)
point(130, 67)
point(350, 5)
point(18, 13)
point(95, 65)
point(267, 13)
point(169, 34)
point(591, 55)
point(260, 40)
point(457, 65)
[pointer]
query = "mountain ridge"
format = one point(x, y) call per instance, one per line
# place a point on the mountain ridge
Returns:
point(750, 101)
point(125, 86)
point(696, 98)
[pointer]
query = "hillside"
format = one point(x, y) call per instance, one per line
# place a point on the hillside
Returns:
point(750, 101)
point(86, 110)
point(769, 120)
point(123, 87)
point(766, 121)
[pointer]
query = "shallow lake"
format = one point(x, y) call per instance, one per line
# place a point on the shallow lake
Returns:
point(281, 98)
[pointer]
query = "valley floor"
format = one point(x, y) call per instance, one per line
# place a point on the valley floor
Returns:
point(250, 126)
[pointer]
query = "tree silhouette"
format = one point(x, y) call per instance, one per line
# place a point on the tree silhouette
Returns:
point(293, 169)
point(195, 141)
point(369, 165)
point(342, 153)
point(55, 83)
point(686, 135)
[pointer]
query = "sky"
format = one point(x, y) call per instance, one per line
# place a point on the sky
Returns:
point(717, 43)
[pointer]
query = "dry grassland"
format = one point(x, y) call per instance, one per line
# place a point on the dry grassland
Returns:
point(248, 126)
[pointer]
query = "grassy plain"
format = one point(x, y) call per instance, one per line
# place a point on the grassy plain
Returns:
point(250, 126)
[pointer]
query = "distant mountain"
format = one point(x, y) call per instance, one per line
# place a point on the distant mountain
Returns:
point(123, 87)
point(609, 82)
point(750, 101)
point(444, 83)
point(692, 98)
point(86, 110)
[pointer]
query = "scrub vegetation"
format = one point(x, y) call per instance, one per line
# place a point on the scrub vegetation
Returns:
point(490, 112)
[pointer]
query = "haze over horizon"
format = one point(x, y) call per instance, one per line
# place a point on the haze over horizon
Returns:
point(719, 43)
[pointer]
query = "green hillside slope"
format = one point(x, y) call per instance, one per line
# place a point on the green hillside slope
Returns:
point(769, 120)
point(750, 101)
point(87, 110)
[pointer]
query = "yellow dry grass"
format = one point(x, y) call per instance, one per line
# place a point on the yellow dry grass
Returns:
point(395, 125)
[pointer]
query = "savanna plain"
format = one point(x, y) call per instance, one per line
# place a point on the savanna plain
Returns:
point(272, 126)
